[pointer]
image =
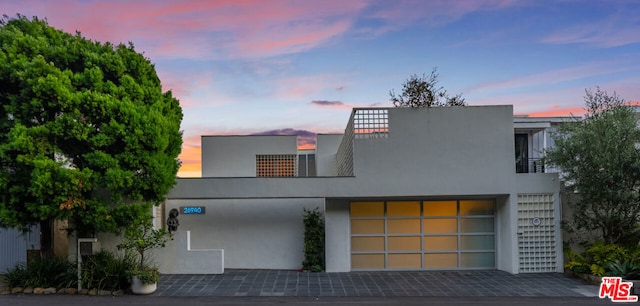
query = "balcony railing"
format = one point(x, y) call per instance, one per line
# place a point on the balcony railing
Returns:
point(533, 165)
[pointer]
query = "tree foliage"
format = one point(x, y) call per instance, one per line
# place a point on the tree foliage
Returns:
point(600, 160)
point(86, 132)
point(423, 91)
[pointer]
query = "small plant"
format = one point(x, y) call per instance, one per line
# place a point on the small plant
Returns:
point(138, 239)
point(148, 275)
point(625, 269)
point(16, 276)
point(576, 262)
point(313, 240)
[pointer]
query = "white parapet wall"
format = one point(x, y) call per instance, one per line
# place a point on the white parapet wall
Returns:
point(179, 258)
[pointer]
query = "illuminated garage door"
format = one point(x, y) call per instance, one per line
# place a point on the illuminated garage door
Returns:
point(425, 235)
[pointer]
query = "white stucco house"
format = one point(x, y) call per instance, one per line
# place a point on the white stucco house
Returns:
point(448, 188)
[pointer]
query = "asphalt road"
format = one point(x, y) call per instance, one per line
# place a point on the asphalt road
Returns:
point(66, 300)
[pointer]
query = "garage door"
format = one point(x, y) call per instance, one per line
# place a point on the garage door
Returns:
point(422, 235)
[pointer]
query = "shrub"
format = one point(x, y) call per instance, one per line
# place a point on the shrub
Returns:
point(107, 271)
point(148, 275)
point(600, 254)
point(604, 259)
point(103, 270)
point(16, 276)
point(313, 240)
point(42, 272)
point(140, 237)
point(576, 262)
point(625, 269)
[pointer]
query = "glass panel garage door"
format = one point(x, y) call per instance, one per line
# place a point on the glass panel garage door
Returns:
point(428, 235)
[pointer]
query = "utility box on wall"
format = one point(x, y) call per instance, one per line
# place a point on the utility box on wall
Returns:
point(88, 246)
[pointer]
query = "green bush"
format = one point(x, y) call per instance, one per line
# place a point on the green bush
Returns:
point(626, 269)
point(16, 276)
point(103, 270)
point(313, 240)
point(600, 254)
point(576, 262)
point(42, 272)
point(147, 275)
point(107, 271)
point(603, 259)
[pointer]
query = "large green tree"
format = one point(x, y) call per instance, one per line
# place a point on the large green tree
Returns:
point(424, 91)
point(86, 132)
point(600, 161)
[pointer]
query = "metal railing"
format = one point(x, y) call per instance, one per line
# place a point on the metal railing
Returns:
point(533, 165)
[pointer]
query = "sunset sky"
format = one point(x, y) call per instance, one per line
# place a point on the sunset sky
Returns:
point(270, 67)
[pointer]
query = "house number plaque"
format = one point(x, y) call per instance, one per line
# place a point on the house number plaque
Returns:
point(192, 210)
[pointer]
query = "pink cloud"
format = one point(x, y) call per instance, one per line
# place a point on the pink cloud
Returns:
point(331, 104)
point(225, 29)
point(290, 39)
point(302, 87)
point(553, 77)
point(179, 86)
point(556, 110)
point(339, 104)
point(202, 29)
point(433, 13)
point(186, 85)
point(534, 100)
point(619, 29)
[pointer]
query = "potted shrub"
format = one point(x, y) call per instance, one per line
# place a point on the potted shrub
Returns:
point(138, 239)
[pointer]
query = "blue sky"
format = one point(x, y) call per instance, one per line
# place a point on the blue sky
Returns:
point(267, 66)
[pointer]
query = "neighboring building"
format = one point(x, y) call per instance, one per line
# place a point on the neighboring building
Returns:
point(401, 189)
point(15, 245)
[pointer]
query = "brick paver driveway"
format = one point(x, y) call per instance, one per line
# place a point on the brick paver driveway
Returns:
point(392, 284)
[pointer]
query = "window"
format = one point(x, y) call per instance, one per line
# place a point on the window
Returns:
point(307, 165)
point(276, 165)
point(522, 153)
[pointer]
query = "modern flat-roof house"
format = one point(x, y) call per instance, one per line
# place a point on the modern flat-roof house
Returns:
point(447, 188)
